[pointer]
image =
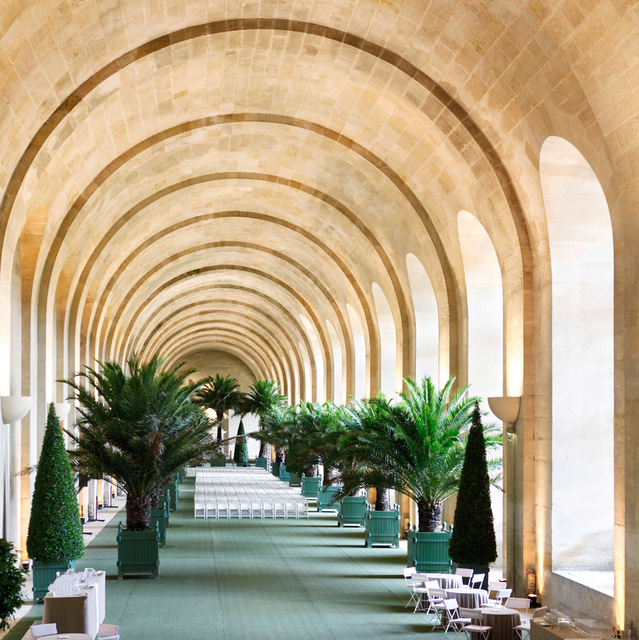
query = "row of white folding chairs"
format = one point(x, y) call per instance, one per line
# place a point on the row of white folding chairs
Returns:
point(250, 508)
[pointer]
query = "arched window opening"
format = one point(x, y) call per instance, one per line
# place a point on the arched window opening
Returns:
point(359, 348)
point(426, 320)
point(313, 338)
point(339, 384)
point(387, 342)
point(308, 381)
point(485, 302)
point(581, 253)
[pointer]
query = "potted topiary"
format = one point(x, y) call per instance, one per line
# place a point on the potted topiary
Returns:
point(240, 455)
point(472, 543)
point(11, 580)
point(54, 539)
point(140, 428)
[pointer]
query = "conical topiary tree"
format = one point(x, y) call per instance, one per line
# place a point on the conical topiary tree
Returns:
point(240, 455)
point(55, 530)
point(473, 539)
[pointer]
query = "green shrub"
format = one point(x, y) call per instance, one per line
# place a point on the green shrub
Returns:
point(11, 581)
point(55, 530)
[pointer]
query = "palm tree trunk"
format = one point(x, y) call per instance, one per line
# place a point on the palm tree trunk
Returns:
point(311, 471)
point(262, 453)
point(429, 515)
point(155, 497)
point(138, 512)
point(382, 500)
point(329, 474)
point(220, 419)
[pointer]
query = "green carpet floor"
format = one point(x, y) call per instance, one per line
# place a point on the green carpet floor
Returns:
point(262, 579)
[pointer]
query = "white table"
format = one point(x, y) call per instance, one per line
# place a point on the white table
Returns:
point(503, 622)
point(444, 580)
point(81, 611)
point(468, 598)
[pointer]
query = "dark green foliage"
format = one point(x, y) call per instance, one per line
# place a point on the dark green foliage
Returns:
point(221, 394)
point(55, 530)
point(240, 455)
point(11, 581)
point(473, 538)
point(264, 397)
point(140, 428)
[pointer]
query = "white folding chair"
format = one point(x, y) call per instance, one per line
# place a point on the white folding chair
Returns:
point(523, 630)
point(116, 637)
point(498, 601)
point(302, 509)
point(455, 621)
point(409, 583)
point(476, 625)
point(257, 508)
point(466, 574)
point(520, 604)
point(477, 580)
point(438, 607)
point(268, 508)
point(199, 508)
point(108, 630)
point(47, 629)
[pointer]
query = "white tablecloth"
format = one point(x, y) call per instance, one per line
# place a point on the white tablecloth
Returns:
point(444, 580)
point(80, 612)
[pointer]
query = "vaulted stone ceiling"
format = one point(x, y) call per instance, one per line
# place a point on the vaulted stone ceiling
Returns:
point(185, 175)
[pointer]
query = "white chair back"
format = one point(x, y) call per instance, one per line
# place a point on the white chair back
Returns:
point(39, 630)
point(540, 612)
point(518, 603)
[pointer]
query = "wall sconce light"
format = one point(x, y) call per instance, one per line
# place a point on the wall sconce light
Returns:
point(14, 408)
point(506, 409)
point(62, 410)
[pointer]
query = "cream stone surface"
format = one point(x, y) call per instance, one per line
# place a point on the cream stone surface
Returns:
point(250, 179)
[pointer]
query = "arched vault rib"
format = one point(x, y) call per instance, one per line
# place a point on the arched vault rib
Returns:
point(344, 324)
point(228, 341)
point(151, 344)
point(348, 214)
point(186, 319)
point(255, 317)
point(274, 24)
point(134, 341)
point(260, 371)
point(248, 341)
point(406, 326)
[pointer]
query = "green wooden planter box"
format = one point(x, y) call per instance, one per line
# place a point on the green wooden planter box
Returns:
point(275, 469)
point(164, 503)
point(172, 491)
point(382, 527)
point(310, 486)
point(327, 498)
point(428, 552)
point(283, 473)
point(158, 517)
point(44, 573)
point(294, 479)
point(352, 510)
point(218, 461)
point(138, 552)
point(262, 462)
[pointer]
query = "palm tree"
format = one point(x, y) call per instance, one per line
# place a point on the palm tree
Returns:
point(139, 427)
point(221, 394)
point(264, 397)
point(418, 449)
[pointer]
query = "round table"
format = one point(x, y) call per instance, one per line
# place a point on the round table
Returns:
point(444, 580)
point(503, 622)
point(468, 598)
